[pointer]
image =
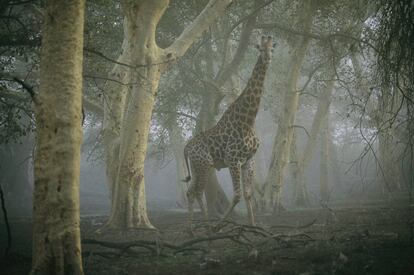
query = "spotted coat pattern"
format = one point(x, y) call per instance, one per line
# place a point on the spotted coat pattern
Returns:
point(231, 143)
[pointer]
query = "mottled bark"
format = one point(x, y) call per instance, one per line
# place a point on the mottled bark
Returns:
point(56, 234)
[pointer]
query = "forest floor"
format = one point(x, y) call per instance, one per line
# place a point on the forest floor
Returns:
point(369, 239)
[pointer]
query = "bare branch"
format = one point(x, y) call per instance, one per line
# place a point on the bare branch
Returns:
point(25, 86)
point(98, 53)
point(301, 127)
point(227, 71)
point(313, 35)
point(210, 13)
point(5, 93)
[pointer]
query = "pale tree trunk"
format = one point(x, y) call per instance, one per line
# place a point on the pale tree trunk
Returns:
point(115, 93)
point(129, 201)
point(299, 191)
point(321, 112)
point(177, 144)
point(56, 234)
point(216, 199)
point(148, 61)
point(283, 139)
point(323, 184)
point(334, 163)
point(387, 143)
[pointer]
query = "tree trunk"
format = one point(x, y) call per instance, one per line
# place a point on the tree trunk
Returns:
point(147, 61)
point(177, 144)
point(129, 201)
point(114, 105)
point(323, 187)
point(16, 175)
point(387, 143)
point(303, 161)
point(335, 165)
point(216, 199)
point(294, 165)
point(382, 115)
point(283, 139)
point(56, 234)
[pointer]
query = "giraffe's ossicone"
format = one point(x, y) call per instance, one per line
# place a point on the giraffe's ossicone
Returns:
point(231, 143)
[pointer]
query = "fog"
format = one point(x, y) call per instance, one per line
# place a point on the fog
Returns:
point(215, 137)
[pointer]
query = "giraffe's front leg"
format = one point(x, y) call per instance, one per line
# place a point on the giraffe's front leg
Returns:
point(235, 176)
point(247, 178)
point(196, 190)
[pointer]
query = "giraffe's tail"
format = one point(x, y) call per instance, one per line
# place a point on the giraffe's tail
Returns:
point(188, 178)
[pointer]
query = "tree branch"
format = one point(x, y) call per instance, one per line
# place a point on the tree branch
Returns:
point(301, 127)
point(227, 71)
point(210, 13)
point(312, 35)
point(98, 53)
point(5, 93)
point(92, 106)
point(25, 86)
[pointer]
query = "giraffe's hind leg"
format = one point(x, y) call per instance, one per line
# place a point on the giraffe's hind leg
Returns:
point(196, 190)
point(235, 176)
point(203, 209)
point(247, 178)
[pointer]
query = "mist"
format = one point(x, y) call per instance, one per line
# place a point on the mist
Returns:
point(203, 137)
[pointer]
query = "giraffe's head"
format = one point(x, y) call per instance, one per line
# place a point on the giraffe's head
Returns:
point(266, 48)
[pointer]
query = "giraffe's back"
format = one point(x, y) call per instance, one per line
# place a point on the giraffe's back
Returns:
point(220, 146)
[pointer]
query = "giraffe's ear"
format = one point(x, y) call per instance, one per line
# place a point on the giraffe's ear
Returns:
point(257, 47)
point(274, 45)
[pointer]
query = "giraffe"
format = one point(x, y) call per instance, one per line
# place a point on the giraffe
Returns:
point(231, 143)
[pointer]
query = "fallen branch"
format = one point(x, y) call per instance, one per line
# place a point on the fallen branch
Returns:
point(126, 246)
point(237, 233)
point(294, 226)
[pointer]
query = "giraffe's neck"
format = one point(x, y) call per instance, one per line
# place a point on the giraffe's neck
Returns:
point(246, 106)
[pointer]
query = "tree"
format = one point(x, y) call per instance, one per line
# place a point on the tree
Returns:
point(320, 115)
point(283, 139)
point(323, 183)
point(56, 234)
point(395, 58)
point(146, 63)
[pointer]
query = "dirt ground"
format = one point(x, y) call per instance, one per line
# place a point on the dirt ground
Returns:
point(369, 239)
